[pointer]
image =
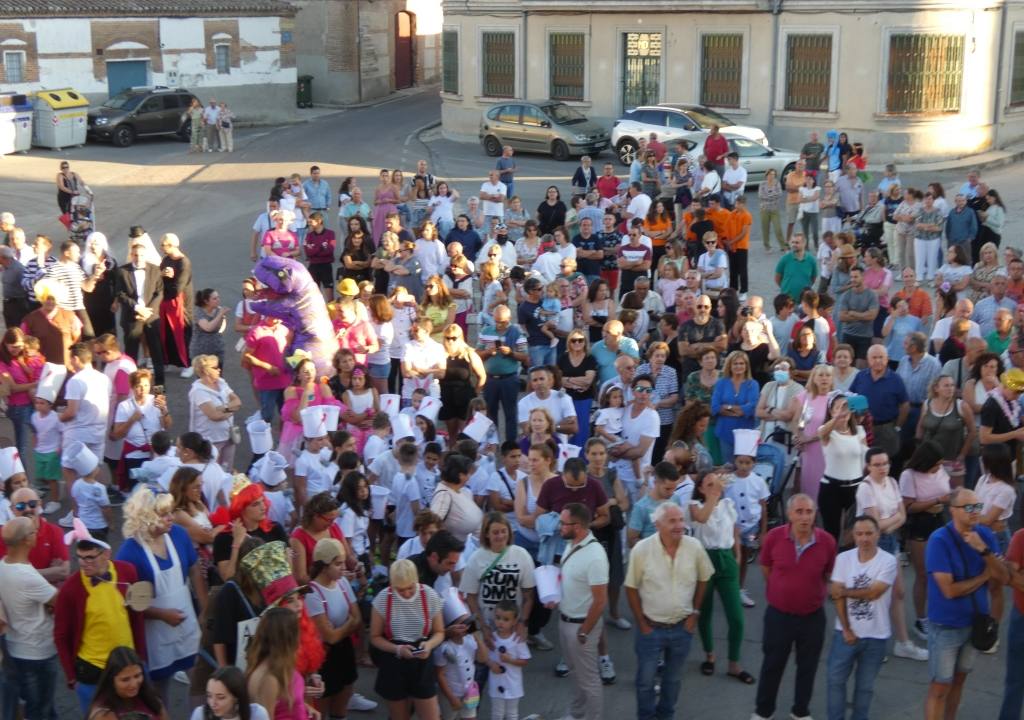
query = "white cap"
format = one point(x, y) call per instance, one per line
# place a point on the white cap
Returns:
point(10, 463)
point(314, 422)
point(270, 469)
point(331, 415)
point(745, 442)
point(401, 427)
point(429, 408)
point(565, 452)
point(478, 427)
point(453, 608)
point(78, 457)
point(51, 381)
point(261, 437)
point(390, 404)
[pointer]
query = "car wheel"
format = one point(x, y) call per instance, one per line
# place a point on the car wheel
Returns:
point(492, 146)
point(559, 150)
point(123, 136)
point(185, 132)
point(626, 150)
point(785, 173)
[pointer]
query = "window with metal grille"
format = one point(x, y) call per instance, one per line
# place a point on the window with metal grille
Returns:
point(567, 60)
point(925, 73)
point(808, 72)
point(1017, 71)
point(450, 62)
point(499, 64)
point(222, 56)
point(14, 66)
point(721, 70)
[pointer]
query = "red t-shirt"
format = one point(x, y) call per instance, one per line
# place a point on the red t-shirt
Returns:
point(49, 546)
point(608, 186)
point(554, 495)
point(716, 148)
point(797, 586)
point(1015, 553)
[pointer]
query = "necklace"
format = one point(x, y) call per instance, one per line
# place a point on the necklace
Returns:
point(1012, 415)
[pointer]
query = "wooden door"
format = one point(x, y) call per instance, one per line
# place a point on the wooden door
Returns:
point(404, 62)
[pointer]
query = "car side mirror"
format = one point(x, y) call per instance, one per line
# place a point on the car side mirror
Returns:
point(545, 123)
point(771, 153)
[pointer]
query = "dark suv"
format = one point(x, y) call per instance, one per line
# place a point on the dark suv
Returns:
point(140, 112)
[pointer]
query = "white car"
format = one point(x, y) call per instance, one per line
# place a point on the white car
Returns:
point(756, 158)
point(672, 121)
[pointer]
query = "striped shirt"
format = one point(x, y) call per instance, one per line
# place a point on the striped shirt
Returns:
point(70, 276)
point(407, 620)
point(33, 273)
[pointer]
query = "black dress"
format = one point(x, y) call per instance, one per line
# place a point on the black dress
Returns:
point(457, 389)
point(98, 303)
point(550, 216)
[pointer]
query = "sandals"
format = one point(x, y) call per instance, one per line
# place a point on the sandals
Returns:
point(707, 667)
point(743, 676)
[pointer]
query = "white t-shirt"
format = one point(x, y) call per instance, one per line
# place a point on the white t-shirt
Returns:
point(199, 394)
point(558, 403)
point(256, 712)
point(547, 265)
point(639, 206)
point(868, 618)
point(423, 354)
point(941, 330)
point(48, 432)
point(505, 580)
point(384, 467)
point(375, 445)
point(92, 389)
point(824, 260)
point(746, 494)
point(646, 424)
point(736, 174)
point(335, 602)
point(490, 207)
point(90, 498)
point(23, 594)
point(457, 659)
point(717, 533)
point(354, 528)
point(886, 498)
point(504, 483)
point(319, 477)
point(385, 333)
point(709, 262)
point(141, 431)
point(509, 684)
point(405, 490)
point(996, 494)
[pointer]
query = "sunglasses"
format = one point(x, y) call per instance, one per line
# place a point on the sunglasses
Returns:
point(643, 389)
point(575, 340)
point(703, 307)
point(26, 505)
point(451, 337)
point(971, 507)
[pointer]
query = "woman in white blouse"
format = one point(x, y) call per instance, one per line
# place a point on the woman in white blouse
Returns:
point(212, 407)
point(712, 518)
point(878, 496)
point(136, 419)
point(843, 443)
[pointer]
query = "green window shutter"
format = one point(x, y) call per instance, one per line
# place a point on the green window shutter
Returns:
point(450, 62)
point(721, 70)
point(925, 73)
point(499, 64)
point(567, 60)
point(1017, 76)
point(808, 72)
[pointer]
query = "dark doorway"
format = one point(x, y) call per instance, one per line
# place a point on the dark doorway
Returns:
point(405, 32)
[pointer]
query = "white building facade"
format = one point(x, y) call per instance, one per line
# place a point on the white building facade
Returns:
point(908, 78)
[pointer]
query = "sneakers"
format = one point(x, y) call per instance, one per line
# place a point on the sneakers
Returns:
point(794, 716)
point(182, 677)
point(607, 670)
point(538, 641)
point(68, 521)
point(620, 622)
point(992, 650)
point(921, 628)
point(115, 496)
point(755, 716)
point(187, 373)
point(743, 297)
point(561, 669)
point(360, 703)
point(910, 651)
point(745, 599)
point(51, 507)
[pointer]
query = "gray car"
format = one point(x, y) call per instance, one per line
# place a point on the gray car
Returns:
point(756, 158)
point(544, 126)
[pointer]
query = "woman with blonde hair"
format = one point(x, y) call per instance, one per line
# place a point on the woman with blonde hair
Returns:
point(464, 378)
point(212, 407)
point(437, 305)
point(808, 412)
point(540, 427)
point(734, 401)
point(273, 680)
point(984, 270)
point(579, 371)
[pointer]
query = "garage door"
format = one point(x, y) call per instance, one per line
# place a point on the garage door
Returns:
point(125, 74)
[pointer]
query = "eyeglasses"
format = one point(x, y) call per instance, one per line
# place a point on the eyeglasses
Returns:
point(88, 558)
point(644, 389)
point(26, 505)
point(971, 507)
point(451, 337)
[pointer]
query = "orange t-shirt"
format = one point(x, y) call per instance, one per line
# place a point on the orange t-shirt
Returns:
point(663, 226)
point(739, 229)
point(688, 218)
point(720, 219)
point(920, 303)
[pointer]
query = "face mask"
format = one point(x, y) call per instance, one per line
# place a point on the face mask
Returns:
point(781, 376)
point(501, 238)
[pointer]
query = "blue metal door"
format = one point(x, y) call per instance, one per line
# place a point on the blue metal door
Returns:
point(125, 74)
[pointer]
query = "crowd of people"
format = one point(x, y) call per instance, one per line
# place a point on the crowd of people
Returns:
point(525, 412)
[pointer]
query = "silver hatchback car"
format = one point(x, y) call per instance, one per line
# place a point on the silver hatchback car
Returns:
point(545, 126)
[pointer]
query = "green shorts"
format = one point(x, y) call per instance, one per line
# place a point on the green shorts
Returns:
point(47, 465)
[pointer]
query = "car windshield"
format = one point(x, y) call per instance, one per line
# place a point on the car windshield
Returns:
point(124, 101)
point(706, 117)
point(562, 114)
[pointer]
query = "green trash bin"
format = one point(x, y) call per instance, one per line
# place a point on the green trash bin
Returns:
point(304, 91)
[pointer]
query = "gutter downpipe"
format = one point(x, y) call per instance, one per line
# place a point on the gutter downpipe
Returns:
point(999, 75)
point(776, 10)
point(359, 50)
point(523, 54)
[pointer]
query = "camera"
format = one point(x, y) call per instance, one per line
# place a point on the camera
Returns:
point(746, 312)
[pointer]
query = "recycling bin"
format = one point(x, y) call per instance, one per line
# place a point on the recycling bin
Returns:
point(15, 123)
point(61, 118)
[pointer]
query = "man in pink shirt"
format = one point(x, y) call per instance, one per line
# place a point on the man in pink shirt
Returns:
point(264, 352)
point(354, 334)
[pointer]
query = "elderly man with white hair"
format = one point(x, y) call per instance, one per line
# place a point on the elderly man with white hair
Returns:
point(15, 295)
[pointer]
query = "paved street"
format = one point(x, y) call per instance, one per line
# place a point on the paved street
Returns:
point(211, 200)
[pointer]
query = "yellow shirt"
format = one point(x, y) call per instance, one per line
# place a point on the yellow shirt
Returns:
point(106, 621)
point(666, 585)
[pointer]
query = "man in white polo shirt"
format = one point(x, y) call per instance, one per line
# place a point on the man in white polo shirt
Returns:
point(558, 404)
point(493, 193)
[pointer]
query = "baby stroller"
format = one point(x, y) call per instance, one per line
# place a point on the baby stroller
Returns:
point(83, 218)
point(866, 235)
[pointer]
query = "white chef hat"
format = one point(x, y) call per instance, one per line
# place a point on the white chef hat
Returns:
point(331, 415)
point(745, 442)
point(453, 608)
point(565, 452)
point(390, 404)
point(50, 381)
point(270, 469)
point(314, 422)
point(78, 457)
point(10, 463)
point(401, 427)
point(261, 437)
point(478, 427)
point(429, 408)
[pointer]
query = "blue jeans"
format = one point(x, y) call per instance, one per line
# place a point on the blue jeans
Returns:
point(949, 652)
point(777, 457)
point(674, 645)
point(867, 654)
point(583, 422)
point(85, 694)
point(270, 400)
point(20, 416)
point(36, 682)
point(503, 392)
point(1013, 686)
point(541, 355)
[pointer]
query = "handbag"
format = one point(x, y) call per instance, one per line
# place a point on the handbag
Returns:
point(984, 627)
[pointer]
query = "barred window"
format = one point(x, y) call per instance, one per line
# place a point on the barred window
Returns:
point(721, 70)
point(499, 64)
point(808, 72)
point(222, 56)
point(450, 61)
point(925, 73)
point(14, 66)
point(567, 61)
point(1017, 70)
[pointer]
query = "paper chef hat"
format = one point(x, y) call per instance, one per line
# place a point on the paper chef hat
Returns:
point(10, 463)
point(314, 421)
point(429, 408)
point(390, 404)
point(453, 608)
point(565, 452)
point(331, 415)
point(746, 441)
point(270, 469)
point(78, 457)
point(401, 427)
point(261, 438)
point(478, 427)
point(50, 381)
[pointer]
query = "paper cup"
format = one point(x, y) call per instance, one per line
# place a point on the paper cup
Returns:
point(548, 579)
point(378, 501)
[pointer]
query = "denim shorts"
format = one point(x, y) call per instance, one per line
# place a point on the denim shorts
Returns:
point(379, 371)
point(949, 652)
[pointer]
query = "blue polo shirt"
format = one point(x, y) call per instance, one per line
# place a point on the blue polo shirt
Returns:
point(884, 395)
point(605, 356)
point(943, 554)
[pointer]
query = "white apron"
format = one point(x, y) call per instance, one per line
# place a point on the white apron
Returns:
point(166, 644)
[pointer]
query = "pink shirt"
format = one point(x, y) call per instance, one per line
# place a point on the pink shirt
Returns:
point(879, 279)
point(924, 486)
point(358, 334)
point(268, 343)
point(21, 373)
point(298, 709)
point(280, 242)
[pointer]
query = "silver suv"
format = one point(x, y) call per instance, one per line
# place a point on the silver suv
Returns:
point(546, 126)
